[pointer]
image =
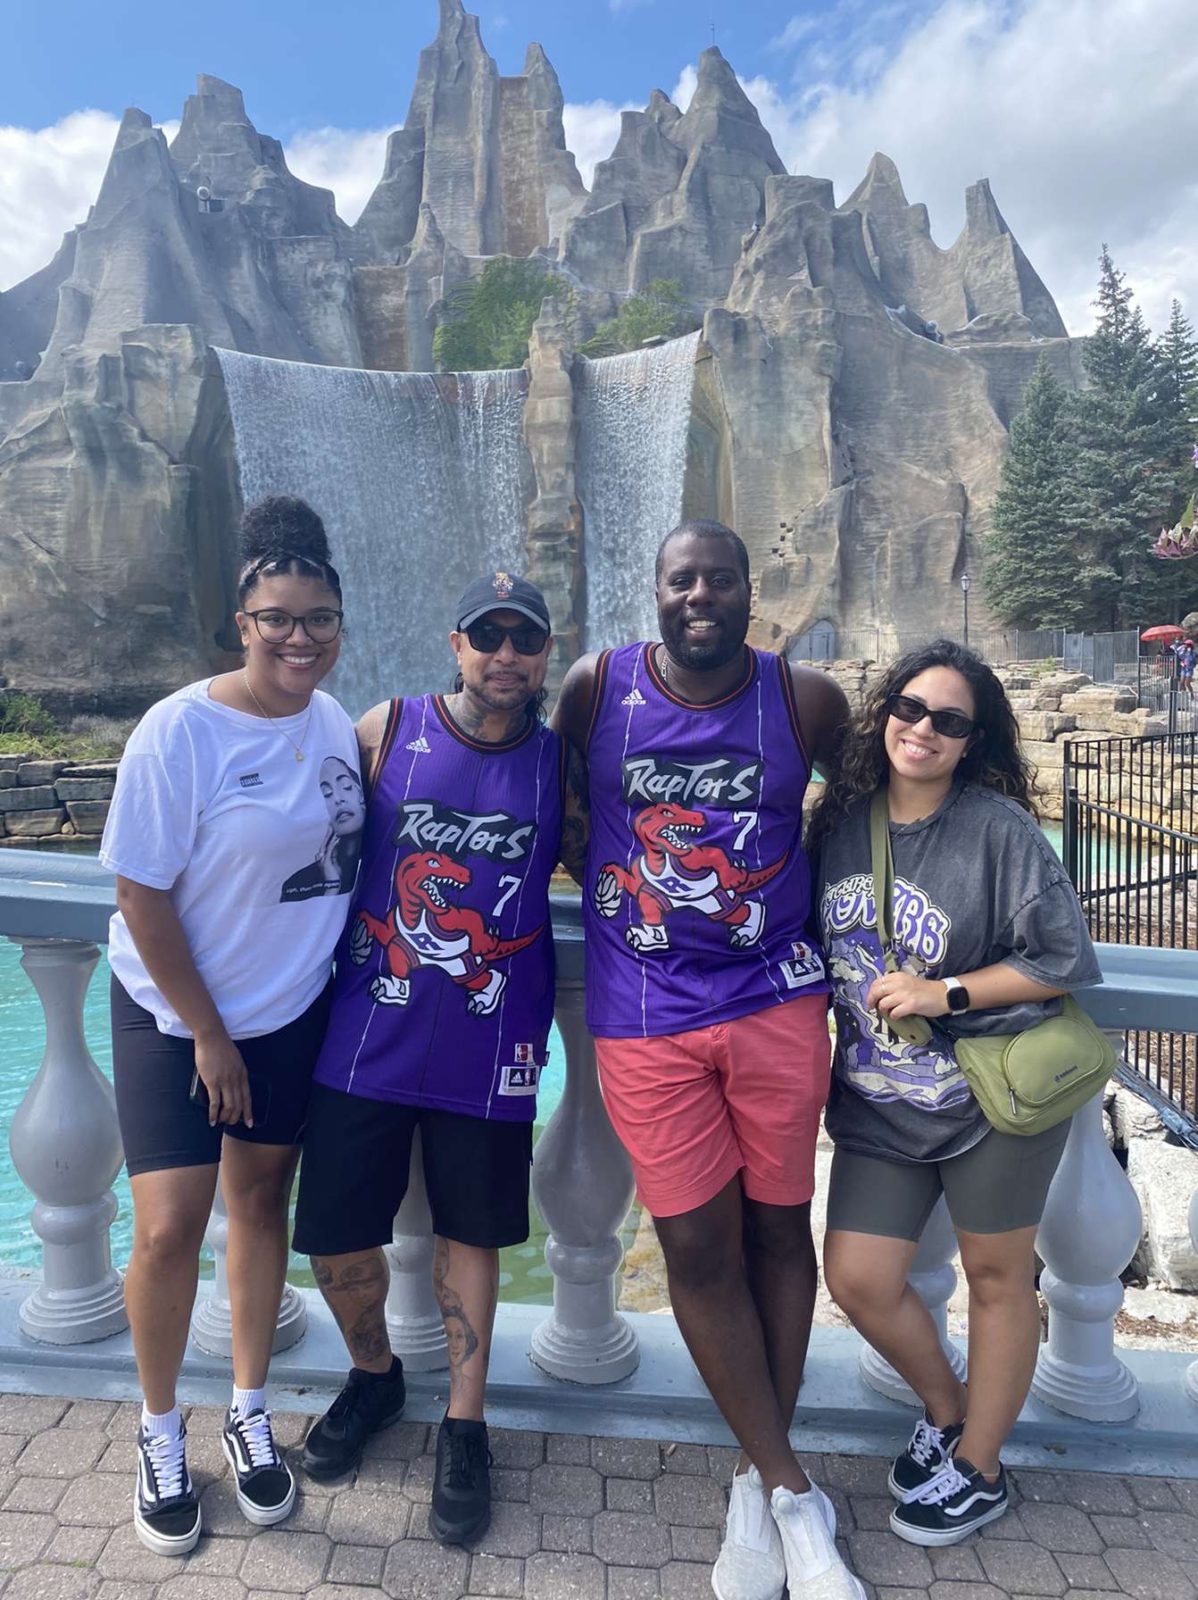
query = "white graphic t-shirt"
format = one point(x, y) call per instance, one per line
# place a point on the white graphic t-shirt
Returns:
point(259, 850)
point(974, 883)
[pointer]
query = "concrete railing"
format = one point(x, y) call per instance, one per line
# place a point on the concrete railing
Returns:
point(66, 1148)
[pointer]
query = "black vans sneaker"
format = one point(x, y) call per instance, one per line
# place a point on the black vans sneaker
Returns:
point(368, 1403)
point(461, 1505)
point(166, 1513)
point(265, 1487)
point(952, 1506)
point(926, 1456)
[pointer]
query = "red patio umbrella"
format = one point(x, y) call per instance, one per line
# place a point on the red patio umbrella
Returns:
point(1163, 630)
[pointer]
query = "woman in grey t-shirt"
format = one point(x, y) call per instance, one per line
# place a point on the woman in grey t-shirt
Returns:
point(988, 933)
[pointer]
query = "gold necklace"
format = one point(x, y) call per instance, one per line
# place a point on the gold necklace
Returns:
point(298, 748)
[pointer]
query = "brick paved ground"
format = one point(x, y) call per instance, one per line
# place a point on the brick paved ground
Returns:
point(576, 1519)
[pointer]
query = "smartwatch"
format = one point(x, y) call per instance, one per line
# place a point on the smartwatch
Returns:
point(958, 994)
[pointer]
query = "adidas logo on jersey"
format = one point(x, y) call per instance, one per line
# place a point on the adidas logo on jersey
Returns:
point(421, 746)
point(634, 698)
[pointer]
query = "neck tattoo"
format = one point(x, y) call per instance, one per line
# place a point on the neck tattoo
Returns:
point(298, 748)
point(471, 719)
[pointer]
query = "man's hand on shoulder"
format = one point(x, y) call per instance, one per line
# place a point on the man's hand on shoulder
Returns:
point(823, 714)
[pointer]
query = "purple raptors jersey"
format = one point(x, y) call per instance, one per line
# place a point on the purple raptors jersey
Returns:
point(444, 986)
point(697, 899)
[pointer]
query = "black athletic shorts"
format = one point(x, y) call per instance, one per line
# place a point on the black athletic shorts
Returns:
point(354, 1174)
point(162, 1127)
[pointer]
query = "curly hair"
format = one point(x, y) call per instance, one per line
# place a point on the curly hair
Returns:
point(282, 534)
point(992, 756)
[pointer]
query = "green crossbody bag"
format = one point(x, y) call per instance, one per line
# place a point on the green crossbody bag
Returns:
point(1024, 1082)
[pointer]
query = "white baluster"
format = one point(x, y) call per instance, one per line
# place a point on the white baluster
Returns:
point(933, 1277)
point(212, 1323)
point(1089, 1232)
point(1191, 1378)
point(583, 1186)
point(413, 1316)
point(67, 1149)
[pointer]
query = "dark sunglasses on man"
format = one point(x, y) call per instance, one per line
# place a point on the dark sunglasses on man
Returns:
point(951, 724)
point(488, 637)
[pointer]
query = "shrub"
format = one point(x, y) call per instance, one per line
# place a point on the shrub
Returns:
point(487, 320)
point(658, 312)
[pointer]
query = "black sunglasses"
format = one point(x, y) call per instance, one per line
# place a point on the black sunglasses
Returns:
point(952, 724)
point(488, 637)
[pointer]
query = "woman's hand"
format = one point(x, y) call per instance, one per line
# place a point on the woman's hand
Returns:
point(219, 1064)
point(902, 994)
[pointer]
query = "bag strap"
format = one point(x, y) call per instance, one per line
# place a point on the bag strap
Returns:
point(883, 871)
point(913, 1030)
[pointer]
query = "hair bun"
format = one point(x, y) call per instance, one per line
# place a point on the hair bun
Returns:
point(283, 525)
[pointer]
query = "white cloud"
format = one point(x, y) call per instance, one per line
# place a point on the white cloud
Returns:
point(591, 132)
point(1083, 114)
point(349, 161)
point(48, 179)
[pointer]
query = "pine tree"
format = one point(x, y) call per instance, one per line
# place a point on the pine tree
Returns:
point(1031, 564)
point(1126, 465)
point(1178, 352)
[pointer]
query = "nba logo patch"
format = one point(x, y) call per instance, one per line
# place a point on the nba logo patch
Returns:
point(520, 1079)
point(524, 1055)
point(805, 966)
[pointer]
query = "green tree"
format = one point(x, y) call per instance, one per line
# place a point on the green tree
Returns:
point(487, 320)
point(1126, 465)
point(1178, 352)
point(1031, 552)
point(658, 312)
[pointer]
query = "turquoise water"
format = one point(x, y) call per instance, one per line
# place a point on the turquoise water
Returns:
point(523, 1274)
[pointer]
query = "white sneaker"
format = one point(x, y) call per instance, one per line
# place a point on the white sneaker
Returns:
point(814, 1569)
point(751, 1565)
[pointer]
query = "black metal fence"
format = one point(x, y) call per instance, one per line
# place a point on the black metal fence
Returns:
point(1130, 842)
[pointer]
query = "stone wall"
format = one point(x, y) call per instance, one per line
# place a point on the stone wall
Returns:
point(43, 802)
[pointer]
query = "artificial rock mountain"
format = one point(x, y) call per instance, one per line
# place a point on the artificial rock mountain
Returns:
point(854, 385)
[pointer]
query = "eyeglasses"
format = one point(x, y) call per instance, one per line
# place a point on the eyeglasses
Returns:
point(276, 627)
point(952, 724)
point(488, 637)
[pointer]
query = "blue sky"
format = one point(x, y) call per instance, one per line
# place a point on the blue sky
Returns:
point(1083, 113)
point(299, 69)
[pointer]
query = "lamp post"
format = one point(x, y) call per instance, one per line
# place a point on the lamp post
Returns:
point(965, 606)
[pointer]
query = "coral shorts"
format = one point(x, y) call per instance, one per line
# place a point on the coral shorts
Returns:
point(694, 1109)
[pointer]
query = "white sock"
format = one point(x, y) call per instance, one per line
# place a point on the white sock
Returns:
point(169, 1423)
point(246, 1401)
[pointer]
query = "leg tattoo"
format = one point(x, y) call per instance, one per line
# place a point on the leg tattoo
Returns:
point(356, 1294)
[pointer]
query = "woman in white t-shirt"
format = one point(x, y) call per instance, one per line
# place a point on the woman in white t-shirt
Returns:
point(234, 833)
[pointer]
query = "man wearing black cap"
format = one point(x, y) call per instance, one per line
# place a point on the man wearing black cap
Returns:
point(440, 1019)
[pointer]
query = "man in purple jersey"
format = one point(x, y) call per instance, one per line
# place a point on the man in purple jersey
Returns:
point(440, 1018)
point(706, 993)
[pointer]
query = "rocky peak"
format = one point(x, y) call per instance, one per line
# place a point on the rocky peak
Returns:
point(217, 147)
point(982, 216)
point(722, 114)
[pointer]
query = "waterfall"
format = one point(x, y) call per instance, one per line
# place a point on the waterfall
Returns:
point(633, 416)
point(418, 478)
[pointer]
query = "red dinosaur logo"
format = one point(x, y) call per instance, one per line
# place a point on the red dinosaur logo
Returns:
point(673, 871)
point(424, 930)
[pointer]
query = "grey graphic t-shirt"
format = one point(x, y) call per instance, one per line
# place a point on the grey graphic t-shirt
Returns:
point(974, 883)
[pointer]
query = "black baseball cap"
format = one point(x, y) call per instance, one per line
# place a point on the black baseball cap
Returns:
point(502, 591)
